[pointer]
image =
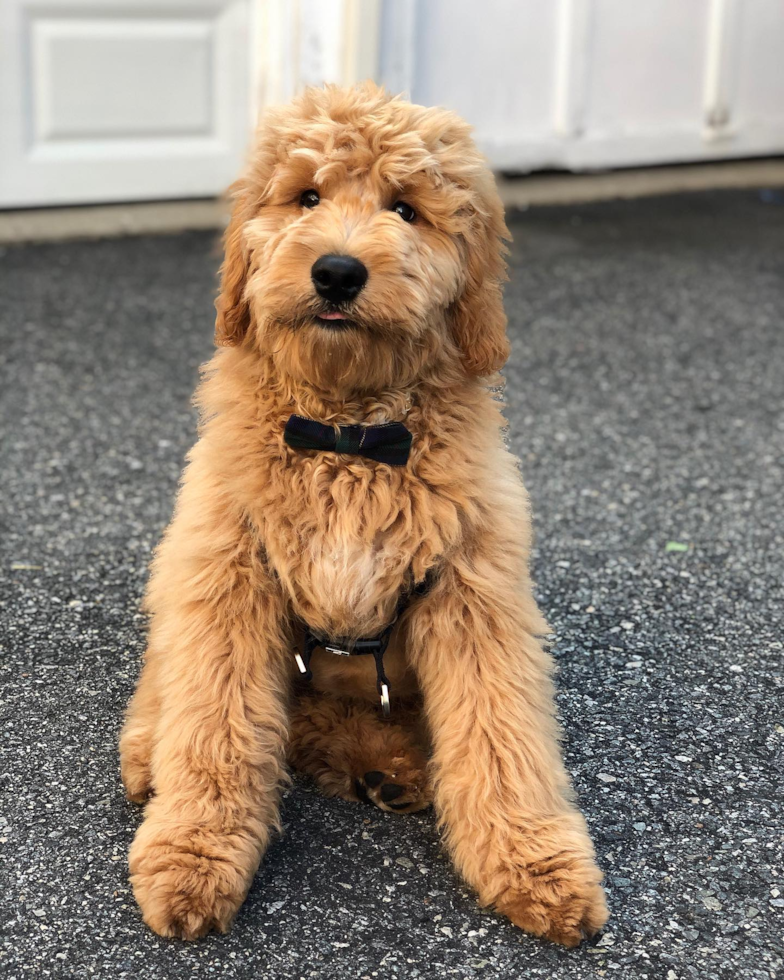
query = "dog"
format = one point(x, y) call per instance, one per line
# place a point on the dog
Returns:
point(349, 486)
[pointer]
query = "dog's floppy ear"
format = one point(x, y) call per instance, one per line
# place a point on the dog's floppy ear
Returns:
point(233, 319)
point(478, 318)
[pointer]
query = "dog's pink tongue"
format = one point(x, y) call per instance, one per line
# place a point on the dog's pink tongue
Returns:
point(331, 316)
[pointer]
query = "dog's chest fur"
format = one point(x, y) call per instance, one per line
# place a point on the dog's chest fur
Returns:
point(348, 539)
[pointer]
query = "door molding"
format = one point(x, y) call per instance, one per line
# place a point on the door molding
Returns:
point(310, 42)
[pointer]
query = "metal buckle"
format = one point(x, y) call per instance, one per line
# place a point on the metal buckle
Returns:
point(340, 653)
point(385, 707)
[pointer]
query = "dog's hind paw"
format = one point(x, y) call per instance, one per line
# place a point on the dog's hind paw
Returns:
point(401, 790)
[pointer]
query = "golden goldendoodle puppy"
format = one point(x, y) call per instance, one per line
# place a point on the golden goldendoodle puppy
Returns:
point(350, 491)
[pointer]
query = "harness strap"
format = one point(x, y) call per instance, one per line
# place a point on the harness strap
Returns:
point(303, 659)
point(375, 646)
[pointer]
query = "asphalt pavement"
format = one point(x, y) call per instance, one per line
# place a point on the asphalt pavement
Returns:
point(645, 402)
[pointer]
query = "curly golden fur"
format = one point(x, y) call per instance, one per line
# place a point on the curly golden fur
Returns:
point(265, 537)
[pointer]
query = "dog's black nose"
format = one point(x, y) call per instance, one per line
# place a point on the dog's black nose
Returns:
point(338, 278)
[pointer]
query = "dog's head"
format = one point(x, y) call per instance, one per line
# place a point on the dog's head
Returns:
point(366, 242)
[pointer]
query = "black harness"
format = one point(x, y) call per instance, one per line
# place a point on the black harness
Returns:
point(365, 646)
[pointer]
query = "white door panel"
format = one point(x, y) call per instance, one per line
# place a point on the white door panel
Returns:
point(758, 64)
point(121, 99)
point(466, 54)
point(107, 95)
point(584, 84)
point(645, 65)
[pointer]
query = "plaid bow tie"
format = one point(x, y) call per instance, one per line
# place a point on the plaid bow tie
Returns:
point(388, 443)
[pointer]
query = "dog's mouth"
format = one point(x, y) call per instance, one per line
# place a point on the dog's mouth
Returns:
point(333, 320)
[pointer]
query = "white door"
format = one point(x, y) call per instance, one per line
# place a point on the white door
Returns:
point(584, 84)
point(118, 100)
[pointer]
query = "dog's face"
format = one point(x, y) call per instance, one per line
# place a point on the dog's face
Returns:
point(365, 244)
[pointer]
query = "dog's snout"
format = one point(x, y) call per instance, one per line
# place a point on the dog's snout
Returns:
point(338, 278)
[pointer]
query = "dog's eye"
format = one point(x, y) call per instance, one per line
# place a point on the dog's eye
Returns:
point(406, 212)
point(309, 199)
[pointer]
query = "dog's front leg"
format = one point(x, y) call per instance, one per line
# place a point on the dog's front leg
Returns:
point(501, 792)
point(217, 757)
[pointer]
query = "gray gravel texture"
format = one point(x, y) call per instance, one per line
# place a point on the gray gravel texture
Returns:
point(645, 400)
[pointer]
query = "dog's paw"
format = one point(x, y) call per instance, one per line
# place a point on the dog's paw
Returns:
point(402, 788)
point(189, 888)
point(559, 898)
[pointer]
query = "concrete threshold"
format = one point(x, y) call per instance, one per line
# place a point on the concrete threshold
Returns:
point(112, 220)
point(555, 189)
point(534, 190)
